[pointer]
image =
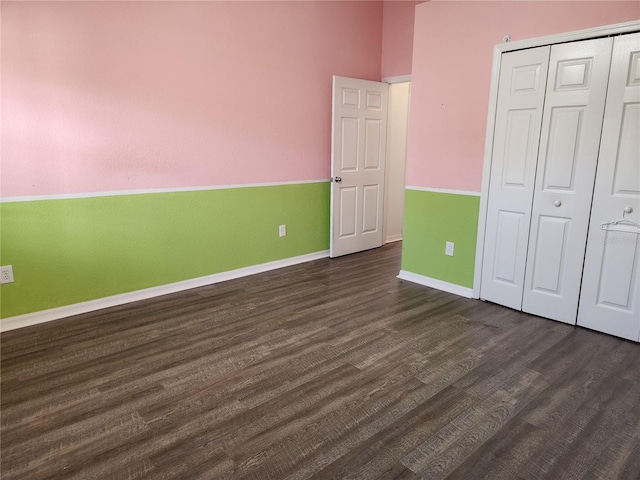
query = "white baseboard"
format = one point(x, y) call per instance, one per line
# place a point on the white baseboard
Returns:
point(393, 238)
point(44, 316)
point(434, 283)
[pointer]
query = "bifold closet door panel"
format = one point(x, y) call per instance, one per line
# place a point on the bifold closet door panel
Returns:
point(523, 78)
point(569, 142)
point(610, 297)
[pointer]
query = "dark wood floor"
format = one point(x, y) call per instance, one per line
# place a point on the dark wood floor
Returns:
point(331, 369)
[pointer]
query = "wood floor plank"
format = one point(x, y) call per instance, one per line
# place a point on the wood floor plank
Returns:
point(502, 456)
point(356, 429)
point(387, 447)
point(448, 448)
point(301, 373)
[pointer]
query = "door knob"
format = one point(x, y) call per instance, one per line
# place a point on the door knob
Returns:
point(336, 179)
point(557, 203)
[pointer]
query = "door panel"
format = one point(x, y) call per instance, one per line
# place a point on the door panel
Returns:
point(523, 77)
point(551, 245)
point(627, 170)
point(358, 147)
point(370, 203)
point(616, 282)
point(564, 138)
point(349, 148)
point(505, 264)
point(374, 101)
point(610, 296)
point(348, 212)
point(569, 143)
point(518, 143)
point(350, 97)
point(573, 74)
point(372, 135)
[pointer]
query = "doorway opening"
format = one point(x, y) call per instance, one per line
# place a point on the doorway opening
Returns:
point(397, 128)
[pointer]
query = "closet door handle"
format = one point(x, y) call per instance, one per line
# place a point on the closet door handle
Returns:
point(557, 203)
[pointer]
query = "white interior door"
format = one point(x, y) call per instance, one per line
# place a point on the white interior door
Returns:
point(523, 77)
point(610, 297)
point(358, 137)
point(571, 128)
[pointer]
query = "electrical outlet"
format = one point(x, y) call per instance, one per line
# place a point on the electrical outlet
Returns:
point(448, 250)
point(6, 274)
point(282, 231)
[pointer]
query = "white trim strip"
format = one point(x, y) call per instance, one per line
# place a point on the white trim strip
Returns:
point(44, 316)
point(393, 238)
point(68, 196)
point(435, 283)
point(398, 79)
point(443, 190)
point(588, 33)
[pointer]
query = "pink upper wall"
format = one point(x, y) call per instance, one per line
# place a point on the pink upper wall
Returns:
point(451, 77)
point(102, 96)
point(397, 37)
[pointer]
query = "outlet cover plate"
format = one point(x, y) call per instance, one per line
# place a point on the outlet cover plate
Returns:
point(449, 249)
point(282, 230)
point(6, 274)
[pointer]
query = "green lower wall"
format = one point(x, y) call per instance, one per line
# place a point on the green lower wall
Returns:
point(69, 251)
point(430, 220)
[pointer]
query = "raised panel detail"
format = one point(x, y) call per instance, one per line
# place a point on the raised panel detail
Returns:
point(519, 137)
point(549, 254)
point(562, 149)
point(348, 211)
point(504, 265)
point(349, 154)
point(573, 74)
point(372, 144)
point(634, 71)
point(350, 98)
point(370, 204)
point(617, 276)
point(374, 101)
point(627, 170)
point(525, 79)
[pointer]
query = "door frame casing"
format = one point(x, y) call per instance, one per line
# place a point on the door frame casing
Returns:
point(498, 50)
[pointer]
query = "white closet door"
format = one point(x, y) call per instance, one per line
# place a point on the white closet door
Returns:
point(610, 297)
point(523, 78)
point(571, 127)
